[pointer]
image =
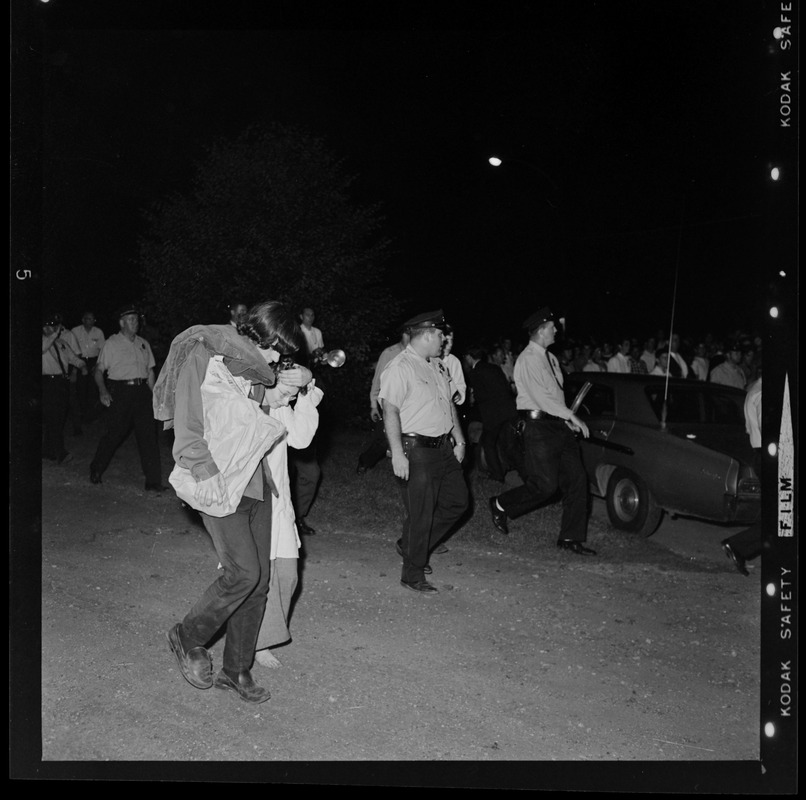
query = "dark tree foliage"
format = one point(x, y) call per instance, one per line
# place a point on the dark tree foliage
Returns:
point(269, 216)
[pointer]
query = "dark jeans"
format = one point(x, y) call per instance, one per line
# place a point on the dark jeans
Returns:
point(305, 474)
point(377, 447)
point(55, 400)
point(237, 599)
point(434, 497)
point(552, 461)
point(131, 406)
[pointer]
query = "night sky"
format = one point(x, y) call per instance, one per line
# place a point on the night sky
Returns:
point(636, 139)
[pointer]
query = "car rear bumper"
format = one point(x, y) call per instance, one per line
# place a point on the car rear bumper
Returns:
point(741, 508)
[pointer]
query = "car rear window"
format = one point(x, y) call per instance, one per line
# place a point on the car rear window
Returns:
point(697, 404)
point(599, 401)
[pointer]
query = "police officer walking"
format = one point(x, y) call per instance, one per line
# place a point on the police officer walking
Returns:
point(551, 452)
point(130, 363)
point(427, 446)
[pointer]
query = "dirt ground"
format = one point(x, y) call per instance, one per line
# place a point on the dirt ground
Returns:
point(637, 655)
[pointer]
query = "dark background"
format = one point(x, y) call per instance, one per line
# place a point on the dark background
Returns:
point(638, 136)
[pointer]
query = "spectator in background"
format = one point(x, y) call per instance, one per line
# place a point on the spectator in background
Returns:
point(458, 383)
point(567, 356)
point(497, 356)
point(620, 361)
point(648, 356)
point(729, 373)
point(582, 355)
point(492, 396)
point(69, 338)
point(593, 362)
point(747, 544)
point(508, 360)
point(637, 364)
point(674, 355)
point(90, 341)
point(748, 363)
point(662, 364)
point(699, 364)
point(313, 336)
point(378, 446)
point(237, 312)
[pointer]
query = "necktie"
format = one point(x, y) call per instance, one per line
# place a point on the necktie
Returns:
point(553, 371)
point(59, 358)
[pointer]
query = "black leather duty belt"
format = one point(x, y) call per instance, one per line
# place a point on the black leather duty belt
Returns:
point(418, 440)
point(57, 375)
point(132, 382)
point(538, 415)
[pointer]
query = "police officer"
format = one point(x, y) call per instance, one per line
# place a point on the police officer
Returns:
point(551, 452)
point(427, 446)
point(130, 364)
point(57, 358)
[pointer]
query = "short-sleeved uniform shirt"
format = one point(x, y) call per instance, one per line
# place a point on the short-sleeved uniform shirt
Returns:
point(420, 389)
point(90, 341)
point(125, 360)
point(539, 381)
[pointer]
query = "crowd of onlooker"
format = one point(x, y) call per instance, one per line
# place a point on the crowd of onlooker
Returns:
point(732, 360)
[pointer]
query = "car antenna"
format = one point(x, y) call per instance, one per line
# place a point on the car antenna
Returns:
point(664, 412)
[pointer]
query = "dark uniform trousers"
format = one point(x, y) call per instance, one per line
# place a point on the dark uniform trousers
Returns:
point(552, 461)
point(131, 405)
point(55, 403)
point(434, 497)
point(237, 599)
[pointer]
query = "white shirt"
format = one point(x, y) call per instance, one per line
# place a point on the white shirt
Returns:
point(89, 341)
point(681, 363)
point(314, 338)
point(619, 363)
point(752, 413)
point(539, 381)
point(458, 383)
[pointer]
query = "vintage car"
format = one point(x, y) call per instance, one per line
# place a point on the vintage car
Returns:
point(682, 449)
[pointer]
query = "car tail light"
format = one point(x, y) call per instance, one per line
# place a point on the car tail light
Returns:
point(749, 486)
point(749, 482)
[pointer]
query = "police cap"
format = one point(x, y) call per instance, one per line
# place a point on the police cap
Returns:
point(534, 321)
point(431, 319)
point(51, 319)
point(128, 309)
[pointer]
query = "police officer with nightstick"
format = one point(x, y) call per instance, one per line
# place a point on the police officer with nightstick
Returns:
point(551, 451)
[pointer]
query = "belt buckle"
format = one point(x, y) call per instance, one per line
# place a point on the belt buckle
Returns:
point(535, 414)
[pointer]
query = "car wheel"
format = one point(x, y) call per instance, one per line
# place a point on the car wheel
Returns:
point(630, 505)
